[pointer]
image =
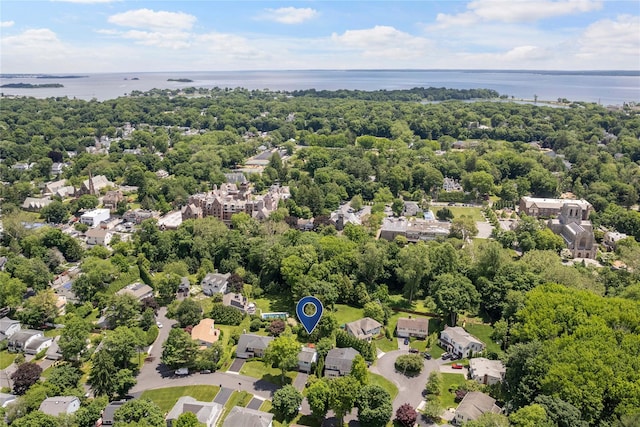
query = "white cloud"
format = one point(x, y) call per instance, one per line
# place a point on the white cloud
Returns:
point(607, 38)
point(515, 11)
point(6, 24)
point(150, 19)
point(289, 15)
point(383, 41)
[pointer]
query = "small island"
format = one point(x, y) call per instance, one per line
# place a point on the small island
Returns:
point(180, 80)
point(31, 85)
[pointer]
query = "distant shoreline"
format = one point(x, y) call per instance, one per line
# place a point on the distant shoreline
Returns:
point(31, 86)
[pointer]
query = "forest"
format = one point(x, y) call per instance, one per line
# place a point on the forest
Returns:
point(569, 334)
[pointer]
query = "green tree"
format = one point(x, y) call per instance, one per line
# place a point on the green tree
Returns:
point(73, 339)
point(89, 413)
point(374, 406)
point(489, 419)
point(282, 353)
point(26, 375)
point(434, 384)
point(138, 411)
point(124, 382)
point(36, 419)
point(359, 370)
point(286, 402)
point(122, 343)
point(39, 309)
point(167, 286)
point(55, 212)
point(318, 394)
point(179, 350)
point(65, 377)
point(189, 313)
point(101, 377)
point(463, 227)
point(413, 261)
point(453, 294)
point(11, 291)
point(410, 364)
point(533, 415)
point(123, 310)
point(374, 310)
point(397, 207)
point(344, 391)
point(187, 419)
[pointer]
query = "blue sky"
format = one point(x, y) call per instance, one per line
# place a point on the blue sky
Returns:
point(75, 36)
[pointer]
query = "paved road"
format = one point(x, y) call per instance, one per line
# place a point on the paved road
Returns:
point(409, 388)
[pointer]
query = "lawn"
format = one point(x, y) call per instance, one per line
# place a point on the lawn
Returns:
point(257, 369)
point(436, 351)
point(6, 358)
point(421, 345)
point(474, 212)
point(448, 381)
point(165, 398)
point(386, 345)
point(483, 333)
point(345, 314)
point(384, 383)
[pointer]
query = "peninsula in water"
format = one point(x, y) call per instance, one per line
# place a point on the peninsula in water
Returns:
point(31, 85)
point(46, 76)
point(180, 80)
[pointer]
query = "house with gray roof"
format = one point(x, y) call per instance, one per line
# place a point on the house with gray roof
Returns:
point(408, 327)
point(37, 344)
point(207, 413)
point(107, 413)
point(364, 329)
point(58, 405)
point(18, 341)
point(138, 290)
point(306, 358)
point(215, 283)
point(239, 301)
point(245, 417)
point(251, 345)
point(338, 361)
point(486, 371)
point(460, 342)
point(473, 405)
point(8, 327)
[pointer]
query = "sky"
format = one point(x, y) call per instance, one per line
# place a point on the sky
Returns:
point(93, 36)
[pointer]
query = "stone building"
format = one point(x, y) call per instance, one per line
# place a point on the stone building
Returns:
point(575, 230)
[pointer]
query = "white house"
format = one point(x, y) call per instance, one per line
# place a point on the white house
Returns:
point(20, 339)
point(94, 217)
point(460, 342)
point(364, 329)
point(58, 405)
point(412, 327)
point(339, 361)
point(214, 283)
point(98, 236)
point(207, 413)
point(306, 358)
point(38, 344)
point(486, 371)
point(8, 327)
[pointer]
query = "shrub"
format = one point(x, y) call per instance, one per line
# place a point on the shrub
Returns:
point(255, 325)
point(226, 315)
point(409, 364)
point(152, 334)
point(406, 415)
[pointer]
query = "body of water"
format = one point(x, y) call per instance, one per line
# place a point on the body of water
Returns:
point(607, 88)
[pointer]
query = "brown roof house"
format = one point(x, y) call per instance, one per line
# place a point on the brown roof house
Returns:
point(364, 329)
point(251, 345)
point(245, 417)
point(58, 405)
point(473, 405)
point(408, 327)
point(208, 413)
point(205, 333)
point(338, 361)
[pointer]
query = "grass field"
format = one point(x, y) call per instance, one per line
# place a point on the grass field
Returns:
point(386, 345)
point(345, 314)
point(448, 381)
point(384, 383)
point(6, 358)
point(483, 333)
point(165, 398)
point(473, 212)
point(257, 369)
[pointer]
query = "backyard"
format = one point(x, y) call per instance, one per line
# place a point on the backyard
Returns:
point(165, 398)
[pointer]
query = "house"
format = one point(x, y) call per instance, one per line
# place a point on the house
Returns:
point(19, 340)
point(450, 184)
point(364, 329)
point(37, 344)
point(473, 405)
point(34, 204)
point(170, 221)
point(94, 217)
point(239, 301)
point(414, 230)
point(408, 327)
point(136, 216)
point(8, 327)
point(111, 199)
point(546, 208)
point(162, 174)
point(191, 211)
point(460, 342)
point(611, 239)
point(58, 405)
point(57, 168)
point(94, 184)
point(245, 417)
point(214, 283)
point(98, 236)
point(411, 209)
point(61, 305)
point(138, 290)
point(576, 231)
point(251, 345)
point(339, 361)
point(205, 333)
point(207, 413)
point(54, 186)
point(486, 371)
point(107, 413)
point(306, 358)
point(184, 287)
point(53, 352)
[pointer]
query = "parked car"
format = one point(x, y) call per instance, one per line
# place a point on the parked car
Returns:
point(205, 371)
point(445, 356)
point(414, 350)
point(406, 341)
point(182, 371)
point(457, 366)
point(159, 325)
point(426, 355)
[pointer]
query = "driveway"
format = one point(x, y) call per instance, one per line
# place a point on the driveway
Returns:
point(255, 403)
point(236, 365)
point(484, 229)
point(153, 367)
point(300, 381)
point(223, 395)
point(409, 388)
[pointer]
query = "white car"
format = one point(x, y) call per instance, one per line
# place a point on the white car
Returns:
point(159, 325)
point(182, 371)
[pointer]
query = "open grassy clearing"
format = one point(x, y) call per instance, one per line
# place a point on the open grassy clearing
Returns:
point(257, 369)
point(6, 358)
point(473, 212)
point(384, 383)
point(450, 381)
point(165, 398)
point(483, 333)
